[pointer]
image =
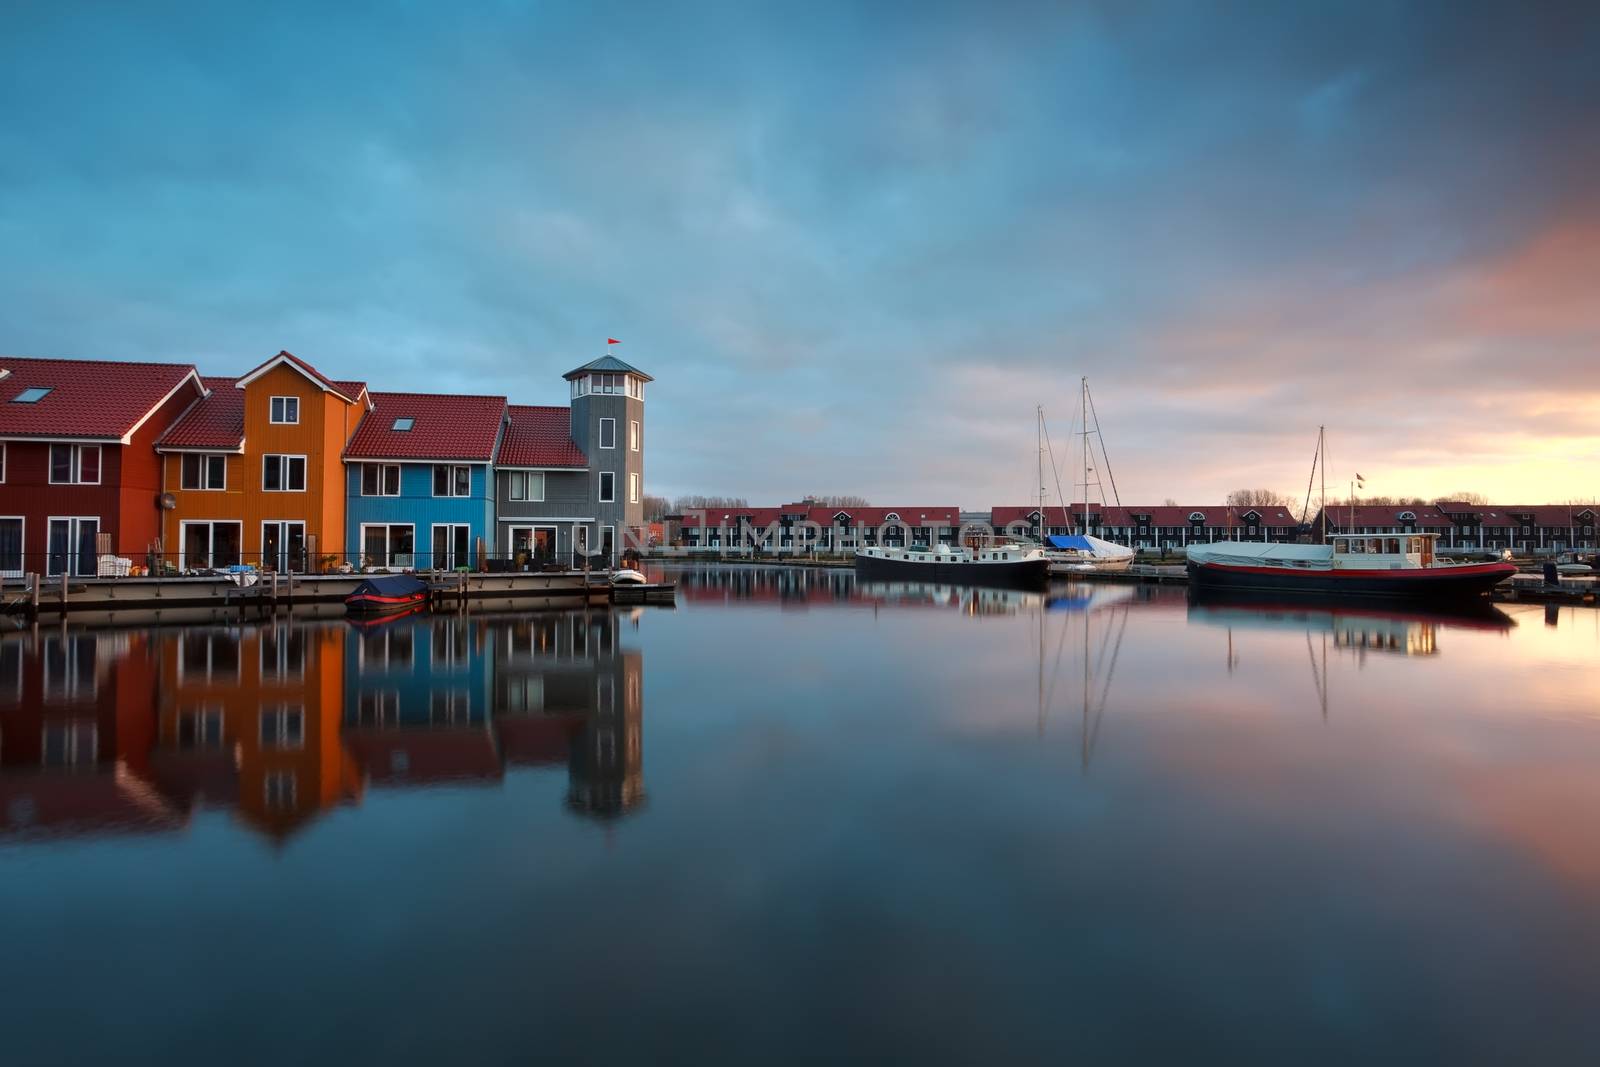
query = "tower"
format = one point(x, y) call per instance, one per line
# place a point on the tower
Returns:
point(608, 425)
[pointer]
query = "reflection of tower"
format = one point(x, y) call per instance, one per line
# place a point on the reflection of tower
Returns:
point(606, 766)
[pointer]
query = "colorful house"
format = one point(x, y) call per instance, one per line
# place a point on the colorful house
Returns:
point(258, 477)
point(78, 477)
point(419, 480)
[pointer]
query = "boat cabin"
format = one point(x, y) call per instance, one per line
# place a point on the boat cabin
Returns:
point(1377, 552)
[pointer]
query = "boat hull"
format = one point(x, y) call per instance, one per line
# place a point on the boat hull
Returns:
point(367, 605)
point(1451, 583)
point(1016, 574)
point(1090, 566)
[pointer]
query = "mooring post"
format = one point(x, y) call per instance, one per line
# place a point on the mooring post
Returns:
point(33, 595)
point(64, 571)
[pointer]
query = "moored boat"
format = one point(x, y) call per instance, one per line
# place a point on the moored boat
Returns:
point(1007, 565)
point(386, 594)
point(1391, 566)
point(1085, 554)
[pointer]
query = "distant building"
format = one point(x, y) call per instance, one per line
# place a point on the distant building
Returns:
point(805, 527)
point(1150, 526)
point(1527, 529)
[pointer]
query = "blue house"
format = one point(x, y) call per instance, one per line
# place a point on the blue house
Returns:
point(419, 481)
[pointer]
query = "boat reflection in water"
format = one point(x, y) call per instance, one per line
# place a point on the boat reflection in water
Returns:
point(1351, 625)
point(123, 731)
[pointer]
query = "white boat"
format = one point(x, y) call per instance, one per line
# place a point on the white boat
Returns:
point(1084, 554)
point(1008, 565)
point(628, 576)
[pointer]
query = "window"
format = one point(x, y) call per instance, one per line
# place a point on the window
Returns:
point(75, 464)
point(404, 424)
point(70, 665)
point(378, 708)
point(282, 726)
point(380, 479)
point(452, 480)
point(200, 729)
point(389, 545)
point(449, 708)
point(633, 435)
point(204, 472)
point(452, 546)
point(280, 790)
point(203, 655)
point(283, 474)
point(283, 653)
point(31, 395)
point(633, 488)
point(608, 433)
point(608, 487)
point(286, 409)
point(2, 461)
point(527, 485)
point(72, 545)
point(636, 387)
point(11, 546)
point(65, 744)
point(209, 544)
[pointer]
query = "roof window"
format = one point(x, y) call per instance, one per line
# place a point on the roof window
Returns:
point(403, 424)
point(31, 395)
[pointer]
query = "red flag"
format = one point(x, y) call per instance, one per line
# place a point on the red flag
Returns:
point(612, 341)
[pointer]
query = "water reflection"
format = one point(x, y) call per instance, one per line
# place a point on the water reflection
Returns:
point(278, 721)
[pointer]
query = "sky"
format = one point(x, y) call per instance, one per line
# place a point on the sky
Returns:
point(857, 245)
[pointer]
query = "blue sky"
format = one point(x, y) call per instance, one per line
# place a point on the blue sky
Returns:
point(855, 244)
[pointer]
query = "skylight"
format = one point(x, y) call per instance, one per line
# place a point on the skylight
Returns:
point(403, 424)
point(31, 396)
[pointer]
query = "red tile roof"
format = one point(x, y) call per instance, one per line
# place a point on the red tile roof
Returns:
point(216, 421)
point(1160, 515)
point(350, 391)
point(540, 437)
point(1385, 515)
point(443, 427)
point(89, 398)
point(764, 517)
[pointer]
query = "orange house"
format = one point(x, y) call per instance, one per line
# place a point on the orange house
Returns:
point(260, 709)
point(254, 473)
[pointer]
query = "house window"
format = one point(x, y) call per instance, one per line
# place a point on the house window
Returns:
point(608, 433)
point(389, 545)
point(204, 472)
point(527, 485)
point(404, 424)
point(283, 726)
point(633, 488)
point(286, 409)
point(31, 395)
point(200, 729)
point(608, 487)
point(633, 435)
point(73, 546)
point(280, 790)
point(283, 474)
point(452, 480)
point(452, 546)
point(209, 544)
point(75, 464)
point(380, 479)
point(11, 545)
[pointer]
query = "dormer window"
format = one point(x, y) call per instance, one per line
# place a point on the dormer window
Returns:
point(893, 517)
point(1408, 516)
point(285, 410)
point(1197, 516)
point(403, 425)
point(31, 395)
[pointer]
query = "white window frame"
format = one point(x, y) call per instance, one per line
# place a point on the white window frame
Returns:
point(273, 411)
point(635, 435)
point(433, 536)
point(22, 547)
point(280, 711)
point(205, 460)
point(527, 478)
point(74, 533)
point(388, 551)
point(600, 487)
point(608, 424)
point(450, 481)
point(283, 540)
point(382, 481)
point(211, 538)
point(75, 474)
point(633, 487)
point(284, 467)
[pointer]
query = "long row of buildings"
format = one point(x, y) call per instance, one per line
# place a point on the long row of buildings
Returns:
point(806, 527)
point(288, 469)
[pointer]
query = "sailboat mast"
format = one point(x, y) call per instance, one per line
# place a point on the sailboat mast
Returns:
point(1039, 449)
point(1322, 450)
point(1083, 404)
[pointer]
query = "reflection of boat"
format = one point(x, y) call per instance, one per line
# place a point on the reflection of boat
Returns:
point(1396, 567)
point(1006, 565)
point(370, 622)
point(386, 595)
point(1081, 553)
point(1353, 624)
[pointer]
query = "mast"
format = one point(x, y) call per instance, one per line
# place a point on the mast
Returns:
point(1039, 448)
point(1083, 404)
point(1322, 446)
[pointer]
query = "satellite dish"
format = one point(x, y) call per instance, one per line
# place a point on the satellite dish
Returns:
point(166, 501)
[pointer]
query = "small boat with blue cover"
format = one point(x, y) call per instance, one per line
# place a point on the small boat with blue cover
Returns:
point(386, 594)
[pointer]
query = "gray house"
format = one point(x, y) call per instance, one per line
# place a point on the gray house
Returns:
point(569, 481)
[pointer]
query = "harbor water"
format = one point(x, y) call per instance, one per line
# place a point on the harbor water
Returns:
point(799, 819)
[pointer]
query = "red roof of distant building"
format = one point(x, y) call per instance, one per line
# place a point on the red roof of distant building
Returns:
point(214, 421)
point(442, 427)
point(95, 399)
point(1427, 516)
point(763, 517)
point(350, 391)
point(540, 437)
point(1171, 515)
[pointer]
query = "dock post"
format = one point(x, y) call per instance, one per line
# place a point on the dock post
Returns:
point(288, 589)
point(64, 571)
point(33, 595)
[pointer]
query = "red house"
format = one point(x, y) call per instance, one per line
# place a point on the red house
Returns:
point(77, 458)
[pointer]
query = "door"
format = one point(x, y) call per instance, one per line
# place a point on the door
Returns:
point(11, 547)
point(544, 544)
point(580, 546)
point(283, 545)
point(72, 546)
point(451, 547)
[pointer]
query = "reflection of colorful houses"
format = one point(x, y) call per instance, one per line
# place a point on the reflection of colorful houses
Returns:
point(565, 692)
point(259, 477)
point(76, 735)
point(262, 703)
point(419, 484)
point(416, 708)
point(76, 459)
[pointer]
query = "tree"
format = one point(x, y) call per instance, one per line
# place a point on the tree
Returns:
point(655, 507)
point(1257, 498)
point(837, 500)
point(696, 502)
point(1477, 500)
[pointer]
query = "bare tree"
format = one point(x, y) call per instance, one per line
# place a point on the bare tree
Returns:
point(697, 502)
point(655, 507)
point(1475, 499)
point(837, 500)
point(1257, 498)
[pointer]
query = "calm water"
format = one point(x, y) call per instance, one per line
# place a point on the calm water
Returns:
point(794, 820)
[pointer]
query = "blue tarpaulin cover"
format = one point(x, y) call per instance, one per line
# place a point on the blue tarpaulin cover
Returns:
point(1069, 541)
point(390, 585)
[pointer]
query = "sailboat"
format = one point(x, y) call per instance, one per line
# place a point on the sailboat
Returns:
point(1081, 553)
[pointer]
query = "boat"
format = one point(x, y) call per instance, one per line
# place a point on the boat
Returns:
point(628, 576)
point(386, 595)
point(1392, 566)
point(1012, 566)
point(1085, 554)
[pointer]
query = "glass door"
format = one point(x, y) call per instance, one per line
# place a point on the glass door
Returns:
point(71, 546)
point(283, 545)
point(11, 547)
